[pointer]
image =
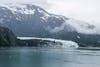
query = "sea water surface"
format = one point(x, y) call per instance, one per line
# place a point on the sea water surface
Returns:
point(48, 57)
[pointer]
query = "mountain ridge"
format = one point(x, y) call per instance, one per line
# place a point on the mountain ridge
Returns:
point(24, 12)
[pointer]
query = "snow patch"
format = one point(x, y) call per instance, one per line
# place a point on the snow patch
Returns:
point(19, 8)
point(45, 14)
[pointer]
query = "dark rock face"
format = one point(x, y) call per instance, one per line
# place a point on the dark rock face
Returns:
point(7, 38)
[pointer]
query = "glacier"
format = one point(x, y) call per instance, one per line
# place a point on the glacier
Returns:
point(65, 43)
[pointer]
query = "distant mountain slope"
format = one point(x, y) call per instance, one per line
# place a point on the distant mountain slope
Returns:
point(33, 21)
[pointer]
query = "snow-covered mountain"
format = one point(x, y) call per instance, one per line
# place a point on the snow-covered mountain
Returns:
point(25, 18)
point(30, 20)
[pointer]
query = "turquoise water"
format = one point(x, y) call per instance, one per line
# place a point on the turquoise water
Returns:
point(48, 57)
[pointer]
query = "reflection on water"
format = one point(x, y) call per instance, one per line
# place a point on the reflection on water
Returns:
point(45, 57)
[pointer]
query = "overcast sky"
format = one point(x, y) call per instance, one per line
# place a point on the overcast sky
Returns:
point(87, 10)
